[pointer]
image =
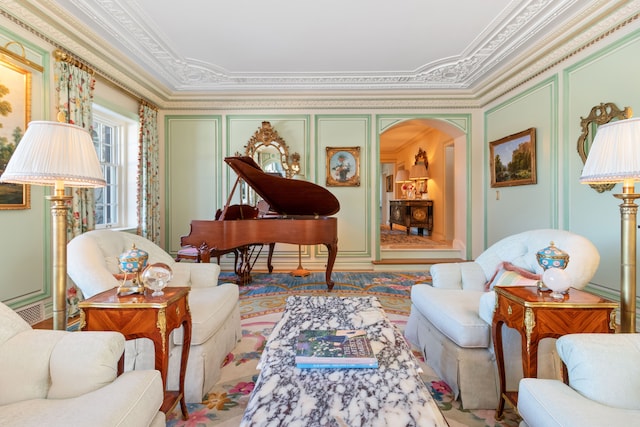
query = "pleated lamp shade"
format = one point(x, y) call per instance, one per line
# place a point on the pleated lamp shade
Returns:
point(614, 155)
point(53, 153)
point(402, 176)
point(419, 172)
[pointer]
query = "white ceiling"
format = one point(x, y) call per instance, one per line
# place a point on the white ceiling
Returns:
point(196, 47)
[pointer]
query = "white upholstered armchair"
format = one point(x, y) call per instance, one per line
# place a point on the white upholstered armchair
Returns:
point(60, 378)
point(603, 389)
point(450, 320)
point(92, 262)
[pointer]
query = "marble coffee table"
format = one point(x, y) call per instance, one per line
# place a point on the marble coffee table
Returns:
point(391, 395)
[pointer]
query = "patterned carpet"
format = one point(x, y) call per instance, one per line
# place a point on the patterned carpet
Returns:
point(399, 239)
point(262, 303)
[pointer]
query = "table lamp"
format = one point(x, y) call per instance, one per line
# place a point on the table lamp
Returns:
point(401, 177)
point(419, 174)
point(614, 157)
point(56, 154)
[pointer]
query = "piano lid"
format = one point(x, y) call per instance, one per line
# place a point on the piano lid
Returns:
point(285, 196)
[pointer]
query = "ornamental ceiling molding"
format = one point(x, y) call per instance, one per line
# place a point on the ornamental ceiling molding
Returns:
point(90, 51)
point(590, 35)
point(181, 74)
point(39, 24)
point(330, 103)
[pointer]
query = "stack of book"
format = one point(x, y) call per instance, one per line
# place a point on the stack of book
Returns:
point(334, 348)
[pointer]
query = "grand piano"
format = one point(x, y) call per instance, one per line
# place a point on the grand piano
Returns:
point(300, 214)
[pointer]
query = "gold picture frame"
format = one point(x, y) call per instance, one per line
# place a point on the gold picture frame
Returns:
point(389, 183)
point(15, 114)
point(513, 159)
point(343, 166)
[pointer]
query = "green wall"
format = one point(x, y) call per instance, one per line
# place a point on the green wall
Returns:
point(555, 107)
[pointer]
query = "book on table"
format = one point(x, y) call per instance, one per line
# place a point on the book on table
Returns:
point(334, 348)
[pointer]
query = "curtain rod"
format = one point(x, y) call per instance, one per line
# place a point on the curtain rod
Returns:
point(122, 87)
point(63, 56)
point(148, 104)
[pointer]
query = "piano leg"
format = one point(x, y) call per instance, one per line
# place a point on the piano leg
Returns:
point(270, 257)
point(244, 268)
point(333, 252)
point(248, 256)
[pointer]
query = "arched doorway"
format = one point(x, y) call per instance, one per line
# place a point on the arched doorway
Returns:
point(445, 143)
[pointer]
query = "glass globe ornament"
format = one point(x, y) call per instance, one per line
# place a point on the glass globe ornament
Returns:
point(558, 281)
point(156, 277)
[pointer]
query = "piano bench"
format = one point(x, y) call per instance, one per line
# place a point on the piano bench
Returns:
point(188, 252)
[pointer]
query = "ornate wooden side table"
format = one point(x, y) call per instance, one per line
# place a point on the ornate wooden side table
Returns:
point(536, 315)
point(145, 316)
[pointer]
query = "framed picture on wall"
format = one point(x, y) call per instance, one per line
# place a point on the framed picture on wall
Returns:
point(15, 113)
point(389, 183)
point(343, 166)
point(513, 159)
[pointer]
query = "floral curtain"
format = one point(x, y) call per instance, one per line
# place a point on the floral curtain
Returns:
point(148, 175)
point(74, 87)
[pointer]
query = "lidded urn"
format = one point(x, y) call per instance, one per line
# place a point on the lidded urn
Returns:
point(132, 261)
point(552, 257)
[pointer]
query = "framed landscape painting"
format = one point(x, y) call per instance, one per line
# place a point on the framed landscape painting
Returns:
point(15, 112)
point(513, 159)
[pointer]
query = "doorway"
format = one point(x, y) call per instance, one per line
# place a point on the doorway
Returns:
point(400, 141)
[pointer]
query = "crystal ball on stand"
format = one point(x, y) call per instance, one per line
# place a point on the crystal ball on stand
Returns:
point(558, 281)
point(156, 277)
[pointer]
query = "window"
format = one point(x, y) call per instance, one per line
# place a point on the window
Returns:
point(105, 140)
point(114, 138)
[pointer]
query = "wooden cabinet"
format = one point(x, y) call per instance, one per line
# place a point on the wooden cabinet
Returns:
point(412, 213)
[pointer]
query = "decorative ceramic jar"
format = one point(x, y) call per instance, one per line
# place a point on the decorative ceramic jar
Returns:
point(552, 257)
point(133, 262)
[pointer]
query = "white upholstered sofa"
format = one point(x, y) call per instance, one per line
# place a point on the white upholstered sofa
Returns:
point(603, 389)
point(60, 378)
point(92, 261)
point(450, 320)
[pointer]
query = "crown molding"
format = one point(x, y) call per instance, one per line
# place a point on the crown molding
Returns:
point(442, 86)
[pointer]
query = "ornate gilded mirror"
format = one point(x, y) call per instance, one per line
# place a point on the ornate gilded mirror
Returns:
point(270, 151)
point(599, 115)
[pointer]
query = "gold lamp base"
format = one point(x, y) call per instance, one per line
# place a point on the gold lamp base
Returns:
point(300, 271)
point(59, 211)
point(628, 215)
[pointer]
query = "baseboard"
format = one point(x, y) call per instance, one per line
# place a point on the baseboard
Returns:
point(420, 261)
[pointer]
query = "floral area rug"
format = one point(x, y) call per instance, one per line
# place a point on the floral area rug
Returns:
point(399, 239)
point(262, 303)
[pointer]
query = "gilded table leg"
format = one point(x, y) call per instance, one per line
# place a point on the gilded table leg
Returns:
point(530, 348)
